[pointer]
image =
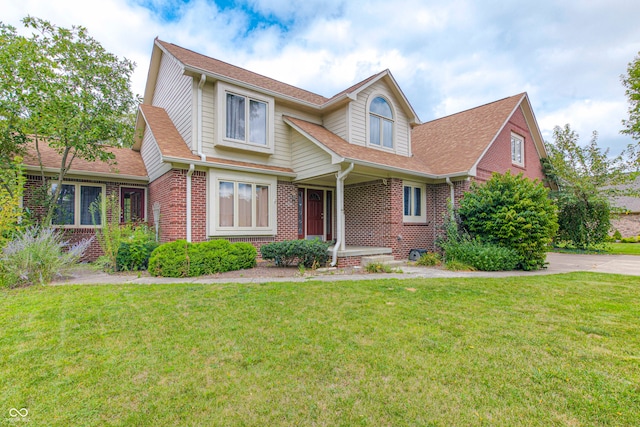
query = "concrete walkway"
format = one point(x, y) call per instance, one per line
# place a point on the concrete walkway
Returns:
point(558, 263)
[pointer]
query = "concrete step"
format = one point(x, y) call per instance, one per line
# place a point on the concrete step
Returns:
point(381, 259)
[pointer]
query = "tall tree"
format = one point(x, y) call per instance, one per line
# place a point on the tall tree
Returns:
point(631, 82)
point(587, 177)
point(67, 91)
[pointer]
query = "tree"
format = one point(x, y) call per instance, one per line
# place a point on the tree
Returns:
point(631, 82)
point(60, 87)
point(586, 178)
point(513, 212)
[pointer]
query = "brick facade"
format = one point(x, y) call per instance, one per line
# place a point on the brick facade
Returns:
point(498, 156)
point(31, 201)
point(627, 224)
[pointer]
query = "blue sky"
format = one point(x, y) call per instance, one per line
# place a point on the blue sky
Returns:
point(447, 56)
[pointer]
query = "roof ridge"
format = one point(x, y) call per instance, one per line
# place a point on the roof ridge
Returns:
point(477, 107)
point(243, 69)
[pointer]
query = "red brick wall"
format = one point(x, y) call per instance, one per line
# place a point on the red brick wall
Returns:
point(498, 157)
point(198, 206)
point(170, 191)
point(73, 235)
point(627, 224)
point(287, 211)
point(374, 216)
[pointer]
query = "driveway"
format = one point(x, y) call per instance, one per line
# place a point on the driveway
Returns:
point(558, 263)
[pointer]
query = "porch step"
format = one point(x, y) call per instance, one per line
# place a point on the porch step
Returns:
point(381, 259)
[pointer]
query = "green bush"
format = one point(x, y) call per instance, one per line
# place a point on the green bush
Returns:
point(483, 256)
point(37, 256)
point(617, 235)
point(584, 220)
point(513, 212)
point(183, 259)
point(429, 259)
point(310, 253)
point(134, 251)
point(631, 239)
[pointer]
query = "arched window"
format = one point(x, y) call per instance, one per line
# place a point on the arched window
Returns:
point(380, 123)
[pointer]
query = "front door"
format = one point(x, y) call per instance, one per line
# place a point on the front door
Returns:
point(131, 204)
point(315, 213)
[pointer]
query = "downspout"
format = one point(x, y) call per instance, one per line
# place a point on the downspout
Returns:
point(452, 196)
point(189, 173)
point(203, 79)
point(340, 232)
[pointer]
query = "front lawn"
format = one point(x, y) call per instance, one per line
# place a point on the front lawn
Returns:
point(624, 248)
point(536, 350)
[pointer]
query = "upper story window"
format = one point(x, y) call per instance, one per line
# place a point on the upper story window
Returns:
point(517, 149)
point(245, 119)
point(380, 123)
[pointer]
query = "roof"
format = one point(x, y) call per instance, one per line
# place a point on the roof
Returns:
point(457, 142)
point(173, 146)
point(127, 164)
point(236, 74)
point(351, 152)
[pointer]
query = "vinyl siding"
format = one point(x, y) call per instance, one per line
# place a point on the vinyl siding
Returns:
point(336, 122)
point(359, 118)
point(152, 158)
point(308, 160)
point(174, 93)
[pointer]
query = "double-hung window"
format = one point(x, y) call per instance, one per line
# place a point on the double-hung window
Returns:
point(414, 202)
point(78, 205)
point(245, 119)
point(380, 123)
point(517, 149)
point(243, 205)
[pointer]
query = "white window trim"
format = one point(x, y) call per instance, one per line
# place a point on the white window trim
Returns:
point(76, 204)
point(394, 114)
point(422, 218)
point(215, 177)
point(221, 111)
point(521, 140)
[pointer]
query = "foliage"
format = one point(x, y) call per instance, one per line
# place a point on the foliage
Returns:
point(310, 253)
point(11, 214)
point(38, 255)
point(134, 251)
point(631, 82)
point(464, 252)
point(586, 178)
point(617, 235)
point(183, 259)
point(584, 222)
point(378, 267)
point(111, 233)
point(429, 259)
point(513, 212)
point(75, 96)
point(632, 239)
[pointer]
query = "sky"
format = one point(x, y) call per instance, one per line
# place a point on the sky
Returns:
point(447, 56)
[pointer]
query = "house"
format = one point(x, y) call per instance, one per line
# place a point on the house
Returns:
point(228, 153)
point(627, 221)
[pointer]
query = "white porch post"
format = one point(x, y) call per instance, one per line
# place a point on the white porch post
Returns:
point(340, 223)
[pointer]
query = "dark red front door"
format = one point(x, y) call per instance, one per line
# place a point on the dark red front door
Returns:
point(132, 204)
point(315, 217)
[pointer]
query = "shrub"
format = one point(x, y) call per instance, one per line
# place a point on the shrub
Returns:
point(617, 235)
point(454, 265)
point(111, 233)
point(584, 220)
point(513, 212)
point(429, 259)
point(182, 259)
point(631, 239)
point(135, 250)
point(38, 255)
point(310, 253)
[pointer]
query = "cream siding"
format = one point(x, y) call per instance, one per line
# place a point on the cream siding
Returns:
point(208, 118)
point(359, 117)
point(152, 158)
point(336, 122)
point(174, 93)
point(308, 160)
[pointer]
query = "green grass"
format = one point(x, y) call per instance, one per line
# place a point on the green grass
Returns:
point(530, 351)
point(624, 248)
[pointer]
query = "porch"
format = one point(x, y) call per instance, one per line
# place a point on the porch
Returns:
point(352, 256)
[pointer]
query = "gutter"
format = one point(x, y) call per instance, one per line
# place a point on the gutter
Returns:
point(340, 232)
point(203, 79)
point(208, 164)
point(188, 219)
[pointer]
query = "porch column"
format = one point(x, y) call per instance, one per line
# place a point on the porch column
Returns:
point(340, 231)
